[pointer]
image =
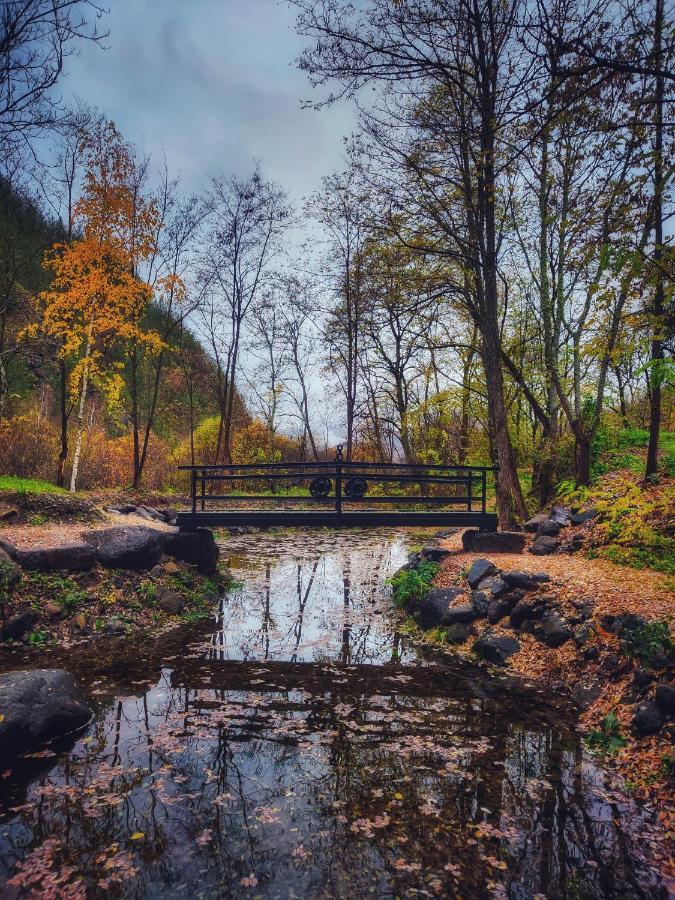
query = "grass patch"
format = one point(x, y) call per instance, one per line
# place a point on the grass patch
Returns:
point(59, 589)
point(28, 485)
point(635, 520)
point(409, 587)
point(608, 738)
point(649, 642)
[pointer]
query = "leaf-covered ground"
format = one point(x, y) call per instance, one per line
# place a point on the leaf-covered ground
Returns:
point(644, 764)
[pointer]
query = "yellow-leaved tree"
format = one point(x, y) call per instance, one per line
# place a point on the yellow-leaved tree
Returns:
point(96, 301)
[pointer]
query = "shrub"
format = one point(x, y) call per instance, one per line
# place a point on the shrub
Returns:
point(607, 738)
point(60, 589)
point(411, 586)
point(650, 642)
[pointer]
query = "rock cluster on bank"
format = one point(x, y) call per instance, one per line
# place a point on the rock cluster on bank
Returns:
point(549, 529)
point(168, 571)
point(135, 547)
point(523, 601)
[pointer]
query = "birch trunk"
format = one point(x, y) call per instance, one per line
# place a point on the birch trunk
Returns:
point(80, 415)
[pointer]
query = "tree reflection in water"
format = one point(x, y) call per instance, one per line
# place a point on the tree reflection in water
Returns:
point(290, 754)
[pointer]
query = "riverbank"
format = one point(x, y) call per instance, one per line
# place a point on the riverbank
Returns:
point(87, 572)
point(597, 632)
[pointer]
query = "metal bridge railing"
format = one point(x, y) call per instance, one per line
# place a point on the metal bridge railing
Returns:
point(338, 484)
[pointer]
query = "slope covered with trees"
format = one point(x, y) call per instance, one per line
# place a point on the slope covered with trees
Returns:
point(489, 277)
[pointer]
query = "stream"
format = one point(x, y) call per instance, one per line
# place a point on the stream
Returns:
point(298, 746)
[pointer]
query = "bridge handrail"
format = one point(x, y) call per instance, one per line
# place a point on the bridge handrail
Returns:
point(339, 483)
point(331, 465)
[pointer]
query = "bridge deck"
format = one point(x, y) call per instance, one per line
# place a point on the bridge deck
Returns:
point(259, 518)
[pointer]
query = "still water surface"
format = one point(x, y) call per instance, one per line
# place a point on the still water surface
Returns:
point(297, 746)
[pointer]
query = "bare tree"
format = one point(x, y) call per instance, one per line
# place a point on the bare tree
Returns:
point(246, 222)
point(300, 339)
point(36, 37)
point(266, 383)
point(176, 297)
point(342, 211)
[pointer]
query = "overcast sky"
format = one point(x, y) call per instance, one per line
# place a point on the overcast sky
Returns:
point(213, 84)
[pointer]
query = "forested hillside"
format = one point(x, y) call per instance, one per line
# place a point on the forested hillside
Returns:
point(487, 278)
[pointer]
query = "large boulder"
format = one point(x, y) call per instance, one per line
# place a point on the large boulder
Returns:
point(196, 547)
point(150, 513)
point(432, 553)
point(496, 648)
point(553, 630)
point(457, 633)
point(486, 583)
point(437, 609)
point(127, 546)
point(665, 697)
point(17, 626)
point(170, 601)
point(499, 587)
point(533, 524)
point(480, 569)
point(481, 602)
point(502, 606)
point(544, 545)
point(73, 557)
point(526, 610)
point(170, 514)
point(584, 694)
point(10, 573)
point(648, 718)
point(549, 527)
point(8, 513)
point(493, 541)
point(525, 581)
point(561, 515)
point(584, 515)
point(36, 707)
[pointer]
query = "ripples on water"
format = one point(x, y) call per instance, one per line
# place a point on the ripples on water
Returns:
point(297, 747)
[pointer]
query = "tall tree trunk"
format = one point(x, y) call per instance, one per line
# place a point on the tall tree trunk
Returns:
point(80, 415)
point(64, 415)
point(582, 455)
point(657, 353)
point(509, 495)
point(135, 417)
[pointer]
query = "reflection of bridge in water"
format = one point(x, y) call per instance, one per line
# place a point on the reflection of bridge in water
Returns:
point(339, 494)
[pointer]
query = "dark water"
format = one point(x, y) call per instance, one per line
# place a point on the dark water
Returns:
point(297, 746)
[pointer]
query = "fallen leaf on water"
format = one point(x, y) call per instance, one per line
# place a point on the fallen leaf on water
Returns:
point(137, 836)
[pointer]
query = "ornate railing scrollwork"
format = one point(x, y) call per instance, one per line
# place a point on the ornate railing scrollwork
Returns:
point(320, 487)
point(355, 487)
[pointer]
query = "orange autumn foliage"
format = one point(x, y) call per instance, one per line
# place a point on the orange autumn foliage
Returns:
point(96, 300)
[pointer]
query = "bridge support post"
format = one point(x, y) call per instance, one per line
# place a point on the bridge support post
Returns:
point(338, 479)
